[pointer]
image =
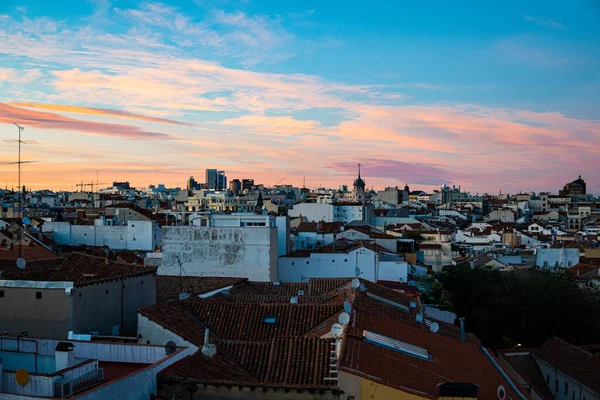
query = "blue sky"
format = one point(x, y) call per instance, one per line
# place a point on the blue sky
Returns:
point(490, 95)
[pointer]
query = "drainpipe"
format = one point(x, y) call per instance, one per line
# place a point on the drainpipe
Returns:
point(462, 329)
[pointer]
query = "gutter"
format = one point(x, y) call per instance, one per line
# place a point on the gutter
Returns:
point(504, 374)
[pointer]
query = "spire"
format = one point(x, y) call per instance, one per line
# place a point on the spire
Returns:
point(359, 170)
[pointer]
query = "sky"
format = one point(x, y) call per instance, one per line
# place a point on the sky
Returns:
point(491, 96)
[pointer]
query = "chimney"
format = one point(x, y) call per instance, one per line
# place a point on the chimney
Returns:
point(321, 226)
point(462, 329)
point(64, 356)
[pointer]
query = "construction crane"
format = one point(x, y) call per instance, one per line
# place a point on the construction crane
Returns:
point(282, 179)
point(82, 185)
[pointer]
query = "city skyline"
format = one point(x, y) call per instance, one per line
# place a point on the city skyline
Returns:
point(499, 98)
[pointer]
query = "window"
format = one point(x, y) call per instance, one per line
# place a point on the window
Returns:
point(573, 395)
point(308, 262)
point(566, 387)
point(38, 295)
point(332, 260)
point(1, 293)
point(556, 385)
point(548, 379)
point(293, 263)
point(106, 291)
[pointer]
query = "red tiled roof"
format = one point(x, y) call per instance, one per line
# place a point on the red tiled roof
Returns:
point(452, 360)
point(83, 268)
point(321, 227)
point(286, 362)
point(238, 321)
point(571, 360)
point(524, 364)
point(30, 253)
point(582, 269)
point(168, 287)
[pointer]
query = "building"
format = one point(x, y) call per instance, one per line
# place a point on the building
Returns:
point(235, 186)
point(340, 259)
point(247, 184)
point(82, 369)
point(557, 257)
point(394, 196)
point(577, 187)
point(556, 370)
point(192, 184)
point(113, 233)
point(234, 245)
point(333, 212)
point(312, 235)
point(298, 342)
point(210, 178)
point(85, 294)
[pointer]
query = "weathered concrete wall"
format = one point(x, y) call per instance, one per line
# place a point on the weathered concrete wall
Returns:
point(248, 252)
point(21, 310)
point(98, 307)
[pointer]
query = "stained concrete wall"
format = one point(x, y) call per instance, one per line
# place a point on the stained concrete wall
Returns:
point(97, 307)
point(21, 310)
point(247, 252)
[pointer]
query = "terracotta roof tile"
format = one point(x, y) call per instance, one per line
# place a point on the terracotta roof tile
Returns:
point(321, 227)
point(572, 360)
point(168, 287)
point(83, 268)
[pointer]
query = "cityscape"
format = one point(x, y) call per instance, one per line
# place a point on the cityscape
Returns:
point(198, 203)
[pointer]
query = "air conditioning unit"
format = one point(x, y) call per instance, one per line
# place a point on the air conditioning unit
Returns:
point(63, 388)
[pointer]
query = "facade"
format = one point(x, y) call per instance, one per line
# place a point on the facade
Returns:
point(332, 212)
point(340, 259)
point(82, 369)
point(234, 251)
point(129, 235)
point(85, 294)
point(561, 257)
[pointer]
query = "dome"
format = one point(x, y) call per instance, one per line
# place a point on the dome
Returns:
point(359, 183)
point(406, 188)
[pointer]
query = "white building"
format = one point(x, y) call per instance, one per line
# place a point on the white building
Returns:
point(236, 245)
point(562, 257)
point(332, 212)
point(340, 261)
point(82, 369)
point(129, 235)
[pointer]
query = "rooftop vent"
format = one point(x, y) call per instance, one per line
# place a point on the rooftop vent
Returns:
point(300, 292)
point(277, 283)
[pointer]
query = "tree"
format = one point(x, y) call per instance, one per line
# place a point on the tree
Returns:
point(504, 309)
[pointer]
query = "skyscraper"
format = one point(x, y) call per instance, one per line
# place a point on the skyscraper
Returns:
point(211, 178)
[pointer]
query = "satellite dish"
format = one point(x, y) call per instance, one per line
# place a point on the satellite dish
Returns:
point(26, 221)
point(355, 283)
point(170, 347)
point(21, 263)
point(363, 288)
point(344, 318)
point(501, 392)
point(22, 377)
point(209, 350)
point(434, 327)
point(357, 271)
point(294, 300)
point(347, 307)
point(337, 330)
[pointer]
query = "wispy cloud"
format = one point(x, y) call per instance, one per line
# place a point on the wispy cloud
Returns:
point(105, 112)
point(10, 114)
point(545, 22)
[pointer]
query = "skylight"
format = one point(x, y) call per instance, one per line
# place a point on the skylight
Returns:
point(396, 345)
point(270, 319)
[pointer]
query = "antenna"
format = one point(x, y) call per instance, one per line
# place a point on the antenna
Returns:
point(337, 330)
point(344, 318)
point(170, 347)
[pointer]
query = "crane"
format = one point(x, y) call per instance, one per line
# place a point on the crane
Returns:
point(281, 180)
point(82, 185)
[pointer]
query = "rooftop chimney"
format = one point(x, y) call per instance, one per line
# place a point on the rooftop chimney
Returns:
point(462, 329)
point(64, 356)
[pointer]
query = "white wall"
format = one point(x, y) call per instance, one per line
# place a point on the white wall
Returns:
point(396, 271)
point(563, 258)
point(313, 212)
point(158, 335)
point(136, 235)
point(551, 375)
point(246, 252)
